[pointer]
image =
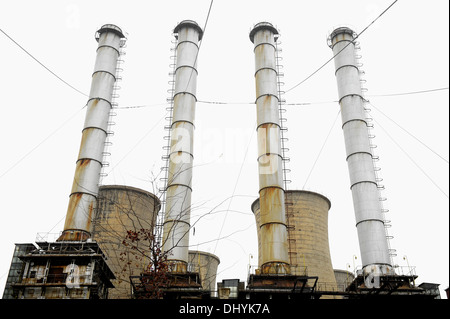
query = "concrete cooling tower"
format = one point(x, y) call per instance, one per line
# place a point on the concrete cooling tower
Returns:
point(205, 264)
point(121, 209)
point(309, 251)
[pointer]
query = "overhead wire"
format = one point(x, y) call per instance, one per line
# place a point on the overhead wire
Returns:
point(235, 187)
point(290, 104)
point(201, 42)
point(332, 58)
point(45, 67)
point(228, 103)
point(138, 142)
point(412, 159)
point(41, 142)
point(139, 106)
point(321, 149)
point(410, 93)
point(410, 134)
point(332, 101)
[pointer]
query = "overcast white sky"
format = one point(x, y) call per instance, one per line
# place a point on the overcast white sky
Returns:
point(406, 50)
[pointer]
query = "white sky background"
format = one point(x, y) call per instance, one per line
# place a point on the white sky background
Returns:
point(406, 50)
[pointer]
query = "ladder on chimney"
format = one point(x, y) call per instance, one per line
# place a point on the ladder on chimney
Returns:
point(292, 245)
point(282, 113)
point(112, 113)
point(167, 139)
point(375, 158)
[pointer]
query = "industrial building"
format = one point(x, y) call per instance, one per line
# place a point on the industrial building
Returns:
point(99, 254)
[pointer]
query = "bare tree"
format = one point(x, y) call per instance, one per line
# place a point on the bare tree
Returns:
point(154, 277)
point(134, 241)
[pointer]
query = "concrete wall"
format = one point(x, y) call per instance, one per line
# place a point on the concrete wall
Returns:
point(119, 209)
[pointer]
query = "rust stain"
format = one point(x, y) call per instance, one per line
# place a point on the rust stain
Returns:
point(178, 266)
point(81, 167)
point(83, 162)
point(266, 281)
point(74, 202)
point(268, 234)
point(91, 107)
point(271, 204)
point(267, 137)
point(259, 52)
point(69, 233)
point(266, 101)
point(272, 227)
point(90, 215)
point(74, 235)
point(84, 138)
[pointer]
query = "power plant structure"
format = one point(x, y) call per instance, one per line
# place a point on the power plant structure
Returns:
point(121, 209)
point(179, 180)
point(309, 252)
point(82, 200)
point(274, 246)
point(121, 242)
point(74, 266)
point(371, 224)
point(364, 185)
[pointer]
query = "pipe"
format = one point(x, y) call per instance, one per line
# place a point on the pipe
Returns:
point(273, 228)
point(179, 184)
point(373, 243)
point(82, 200)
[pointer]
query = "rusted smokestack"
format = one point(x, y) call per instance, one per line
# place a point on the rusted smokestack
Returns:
point(273, 227)
point(179, 183)
point(373, 243)
point(80, 212)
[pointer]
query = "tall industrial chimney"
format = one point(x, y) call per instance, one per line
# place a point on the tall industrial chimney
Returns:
point(179, 183)
point(273, 227)
point(373, 243)
point(82, 201)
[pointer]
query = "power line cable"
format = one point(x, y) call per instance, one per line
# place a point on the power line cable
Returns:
point(235, 186)
point(200, 45)
point(409, 93)
point(40, 143)
point(290, 104)
point(252, 103)
point(139, 106)
point(331, 59)
point(444, 159)
point(221, 102)
point(207, 17)
point(412, 160)
point(138, 142)
point(321, 149)
point(335, 101)
point(53, 73)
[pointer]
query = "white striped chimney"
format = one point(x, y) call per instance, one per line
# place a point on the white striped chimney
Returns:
point(273, 227)
point(373, 242)
point(179, 184)
point(82, 200)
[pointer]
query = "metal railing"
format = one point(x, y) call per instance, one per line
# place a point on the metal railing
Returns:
point(296, 270)
point(47, 237)
point(71, 281)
